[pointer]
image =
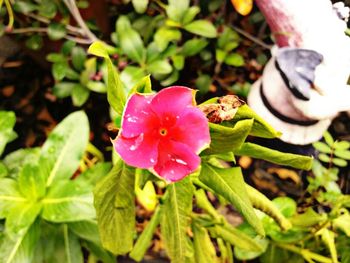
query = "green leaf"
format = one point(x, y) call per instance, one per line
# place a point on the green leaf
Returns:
point(7, 122)
point(193, 46)
point(227, 139)
point(287, 206)
point(80, 95)
point(115, 207)
point(56, 57)
point(260, 127)
point(56, 31)
point(96, 86)
point(203, 83)
point(342, 145)
point(95, 173)
point(235, 237)
point(21, 248)
point(261, 202)
point(220, 55)
point(59, 70)
point(328, 237)
point(65, 147)
point(143, 86)
point(201, 27)
point(35, 42)
point(67, 47)
point(86, 230)
point(174, 76)
point(31, 182)
point(178, 61)
point(72, 247)
point(68, 201)
point(234, 59)
point(228, 39)
point(10, 196)
point(328, 138)
point(24, 7)
point(344, 154)
point(343, 223)
point(63, 89)
point(275, 254)
point(159, 67)
point(144, 241)
point(140, 5)
point(78, 58)
point(322, 147)
point(190, 14)
point(3, 170)
point(288, 159)
point(130, 76)
point(324, 158)
point(339, 162)
point(175, 219)
point(203, 247)
point(130, 40)
point(99, 49)
point(164, 35)
point(308, 219)
point(229, 183)
point(17, 159)
point(47, 8)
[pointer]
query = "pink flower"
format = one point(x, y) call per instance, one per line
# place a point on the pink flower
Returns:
point(163, 132)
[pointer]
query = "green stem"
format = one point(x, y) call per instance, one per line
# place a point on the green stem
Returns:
point(10, 13)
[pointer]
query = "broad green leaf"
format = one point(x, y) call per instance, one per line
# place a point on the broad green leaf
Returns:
point(99, 49)
point(72, 247)
point(68, 201)
point(144, 241)
point(72, 74)
point(31, 182)
point(235, 237)
point(130, 40)
point(143, 86)
point(21, 248)
point(164, 35)
point(234, 59)
point(227, 139)
point(261, 202)
point(193, 46)
point(115, 207)
point(203, 247)
point(140, 5)
point(10, 196)
point(322, 147)
point(175, 219)
point(201, 27)
point(288, 159)
point(229, 183)
point(65, 147)
point(80, 94)
point(7, 122)
point(260, 127)
point(159, 67)
point(56, 31)
point(343, 223)
point(86, 230)
point(17, 159)
point(78, 58)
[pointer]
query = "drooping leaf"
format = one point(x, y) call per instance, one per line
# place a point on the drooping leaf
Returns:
point(144, 241)
point(175, 219)
point(115, 207)
point(288, 159)
point(203, 247)
point(229, 183)
point(68, 201)
point(65, 146)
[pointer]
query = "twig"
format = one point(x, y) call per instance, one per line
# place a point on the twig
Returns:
point(252, 38)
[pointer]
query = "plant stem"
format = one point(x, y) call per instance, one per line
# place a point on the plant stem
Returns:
point(252, 38)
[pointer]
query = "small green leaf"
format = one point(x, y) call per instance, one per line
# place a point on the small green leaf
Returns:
point(201, 27)
point(324, 158)
point(63, 89)
point(178, 61)
point(47, 8)
point(203, 83)
point(78, 58)
point(229, 183)
point(115, 207)
point(193, 46)
point(17, 159)
point(175, 219)
point(308, 219)
point(140, 5)
point(220, 55)
point(80, 94)
point(62, 151)
point(344, 154)
point(68, 201)
point(164, 35)
point(322, 147)
point(143, 86)
point(288, 159)
point(56, 31)
point(234, 59)
point(67, 47)
point(159, 67)
point(56, 57)
point(287, 206)
point(35, 42)
point(342, 145)
point(190, 14)
point(24, 7)
point(99, 49)
point(339, 162)
point(328, 138)
point(96, 86)
point(343, 223)
point(144, 241)
point(59, 70)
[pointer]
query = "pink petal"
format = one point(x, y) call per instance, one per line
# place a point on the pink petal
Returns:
point(192, 129)
point(140, 151)
point(175, 161)
point(138, 116)
point(172, 101)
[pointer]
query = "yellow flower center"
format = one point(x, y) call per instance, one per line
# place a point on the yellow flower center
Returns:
point(163, 131)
